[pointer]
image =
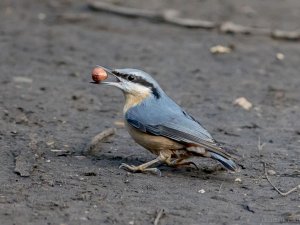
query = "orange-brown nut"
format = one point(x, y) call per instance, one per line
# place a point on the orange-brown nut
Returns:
point(99, 74)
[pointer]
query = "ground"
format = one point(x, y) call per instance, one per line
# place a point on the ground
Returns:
point(48, 104)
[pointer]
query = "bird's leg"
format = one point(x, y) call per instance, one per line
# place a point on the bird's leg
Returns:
point(143, 167)
point(178, 163)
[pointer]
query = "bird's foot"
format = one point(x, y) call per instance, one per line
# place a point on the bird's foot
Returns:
point(141, 169)
point(178, 163)
point(187, 164)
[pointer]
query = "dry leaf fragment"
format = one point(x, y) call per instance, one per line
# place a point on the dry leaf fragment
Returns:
point(238, 180)
point(50, 143)
point(286, 35)
point(119, 123)
point(271, 172)
point(280, 56)
point(243, 102)
point(202, 191)
point(173, 16)
point(22, 80)
point(220, 49)
point(232, 28)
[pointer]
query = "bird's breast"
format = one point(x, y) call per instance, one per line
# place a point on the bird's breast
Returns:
point(133, 100)
point(153, 143)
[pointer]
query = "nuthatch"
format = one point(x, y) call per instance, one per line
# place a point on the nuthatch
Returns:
point(158, 124)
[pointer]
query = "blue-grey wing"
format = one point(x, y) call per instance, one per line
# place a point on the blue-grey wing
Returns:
point(165, 118)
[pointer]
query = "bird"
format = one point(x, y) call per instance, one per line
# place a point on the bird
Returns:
point(160, 125)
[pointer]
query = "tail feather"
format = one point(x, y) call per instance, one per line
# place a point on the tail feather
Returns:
point(225, 161)
point(214, 151)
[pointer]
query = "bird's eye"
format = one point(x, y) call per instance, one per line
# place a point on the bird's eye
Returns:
point(130, 77)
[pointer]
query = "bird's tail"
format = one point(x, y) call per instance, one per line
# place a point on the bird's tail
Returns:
point(225, 161)
point(214, 151)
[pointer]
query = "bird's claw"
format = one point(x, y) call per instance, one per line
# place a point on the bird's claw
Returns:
point(126, 166)
point(193, 164)
point(177, 164)
point(136, 169)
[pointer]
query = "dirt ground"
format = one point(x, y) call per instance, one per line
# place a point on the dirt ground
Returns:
point(48, 104)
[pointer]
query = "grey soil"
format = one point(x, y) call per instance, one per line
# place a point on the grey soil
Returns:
point(47, 103)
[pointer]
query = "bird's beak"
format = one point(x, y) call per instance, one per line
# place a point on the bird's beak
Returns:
point(113, 79)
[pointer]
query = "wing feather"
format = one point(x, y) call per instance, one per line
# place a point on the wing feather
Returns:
point(170, 121)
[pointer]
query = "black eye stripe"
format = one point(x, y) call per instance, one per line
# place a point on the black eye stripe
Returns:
point(129, 77)
point(120, 74)
point(139, 80)
point(148, 84)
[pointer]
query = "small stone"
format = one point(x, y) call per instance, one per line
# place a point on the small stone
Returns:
point(239, 180)
point(220, 49)
point(271, 172)
point(243, 102)
point(280, 56)
point(50, 143)
point(202, 191)
point(41, 16)
point(83, 218)
point(22, 80)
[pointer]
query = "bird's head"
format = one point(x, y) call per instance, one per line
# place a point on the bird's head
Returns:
point(133, 82)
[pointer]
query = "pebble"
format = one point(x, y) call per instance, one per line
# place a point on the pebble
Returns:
point(271, 172)
point(239, 180)
point(202, 191)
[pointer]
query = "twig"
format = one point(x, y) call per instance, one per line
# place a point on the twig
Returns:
point(286, 35)
point(233, 28)
point(173, 17)
point(160, 213)
point(92, 146)
point(168, 16)
point(101, 136)
point(122, 10)
point(220, 187)
point(280, 192)
point(259, 145)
